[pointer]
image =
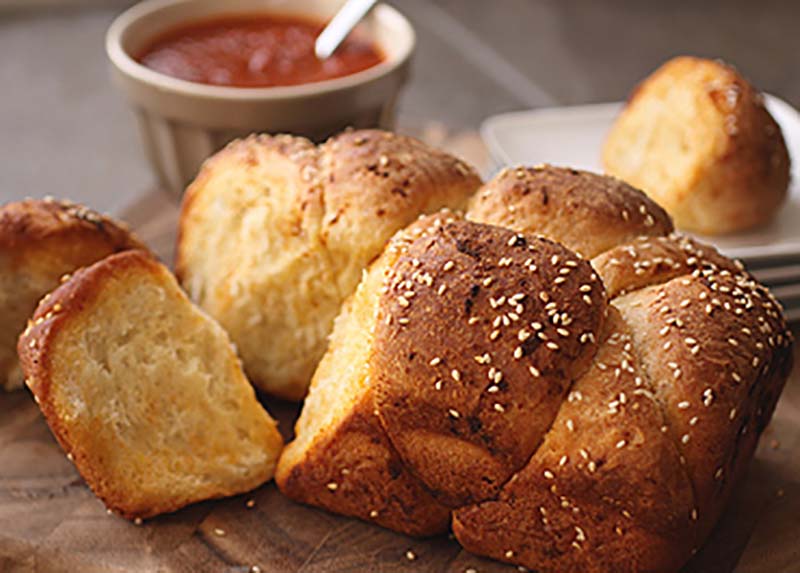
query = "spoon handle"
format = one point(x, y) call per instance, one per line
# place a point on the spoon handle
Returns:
point(340, 26)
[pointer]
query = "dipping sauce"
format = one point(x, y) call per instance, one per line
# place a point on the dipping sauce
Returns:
point(254, 51)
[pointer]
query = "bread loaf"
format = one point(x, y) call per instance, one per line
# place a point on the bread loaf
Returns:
point(571, 417)
point(275, 233)
point(696, 137)
point(40, 241)
point(144, 391)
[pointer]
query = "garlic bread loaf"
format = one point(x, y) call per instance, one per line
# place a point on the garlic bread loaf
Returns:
point(571, 414)
point(696, 136)
point(40, 241)
point(144, 391)
point(275, 233)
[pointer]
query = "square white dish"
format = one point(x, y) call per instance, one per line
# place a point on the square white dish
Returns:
point(573, 136)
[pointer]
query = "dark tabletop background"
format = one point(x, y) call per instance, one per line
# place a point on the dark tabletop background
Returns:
point(64, 130)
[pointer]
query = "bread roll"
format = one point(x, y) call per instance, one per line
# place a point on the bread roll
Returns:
point(571, 417)
point(275, 233)
point(144, 391)
point(40, 241)
point(696, 137)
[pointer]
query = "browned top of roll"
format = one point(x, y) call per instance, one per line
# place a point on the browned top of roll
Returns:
point(585, 212)
point(480, 333)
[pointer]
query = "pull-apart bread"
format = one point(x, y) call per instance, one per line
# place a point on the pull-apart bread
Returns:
point(40, 241)
point(697, 138)
point(144, 391)
point(562, 412)
point(275, 233)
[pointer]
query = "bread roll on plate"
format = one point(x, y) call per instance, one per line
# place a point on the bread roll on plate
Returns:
point(696, 137)
point(275, 233)
point(40, 241)
point(144, 391)
point(570, 417)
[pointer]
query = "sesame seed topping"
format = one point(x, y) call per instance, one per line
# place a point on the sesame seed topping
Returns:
point(435, 361)
point(333, 486)
point(453, 413)
point(410, 555)
point(534, 371)
point(499, 408)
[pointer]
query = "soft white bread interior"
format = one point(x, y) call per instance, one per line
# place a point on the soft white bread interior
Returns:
point(275, 233)
point(40, 241)
point(144, 391)
point(696, 136)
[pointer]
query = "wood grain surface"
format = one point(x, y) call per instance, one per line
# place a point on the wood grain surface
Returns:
point(51, 522)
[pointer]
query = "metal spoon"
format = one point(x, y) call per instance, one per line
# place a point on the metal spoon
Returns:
point(340, 26)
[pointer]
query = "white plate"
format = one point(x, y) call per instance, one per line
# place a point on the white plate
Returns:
point(573, 136)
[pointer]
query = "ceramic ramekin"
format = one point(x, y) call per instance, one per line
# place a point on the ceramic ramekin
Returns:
point(182, 123)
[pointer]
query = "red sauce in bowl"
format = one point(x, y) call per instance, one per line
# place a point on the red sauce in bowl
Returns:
point(254, 51)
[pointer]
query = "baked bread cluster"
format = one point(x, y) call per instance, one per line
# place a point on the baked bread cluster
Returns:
point(143, 391)
point(275, 233)
point(41, 241)
point(565, 412)
point(696, 137)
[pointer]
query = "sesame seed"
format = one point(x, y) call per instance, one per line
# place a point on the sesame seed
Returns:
point(518, 352)
point(374, 513)
point(448, 265)
point(435, 361)
point(534, 371)
point(499, 408)
point(685, 439)
point(250, 503)
point(453, 413)
point(410, 555)
point(333, 486)
point(621, 444)
point(493, 389)
point(137, 521)
point(570, 425)
point(683, 405)
point(219, 532)
point(509, 554)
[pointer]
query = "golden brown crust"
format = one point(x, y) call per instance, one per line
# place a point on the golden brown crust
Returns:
point(342, 459)
point(632, 462)
point(275, 233)
point(27, 225)
point(585, 212)
point(478, 338)
point(696, 136)
point(356, 472)
point(605, 492)
point(116, 453)
point(41, 240)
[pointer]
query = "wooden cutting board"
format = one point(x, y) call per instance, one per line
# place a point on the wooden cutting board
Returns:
point(51, 522)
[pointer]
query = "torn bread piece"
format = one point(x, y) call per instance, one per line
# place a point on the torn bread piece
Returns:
point(144, 391)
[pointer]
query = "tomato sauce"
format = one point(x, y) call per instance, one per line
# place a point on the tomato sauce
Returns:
point(254, 51)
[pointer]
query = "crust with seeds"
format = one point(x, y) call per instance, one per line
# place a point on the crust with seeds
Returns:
point(615, 451)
